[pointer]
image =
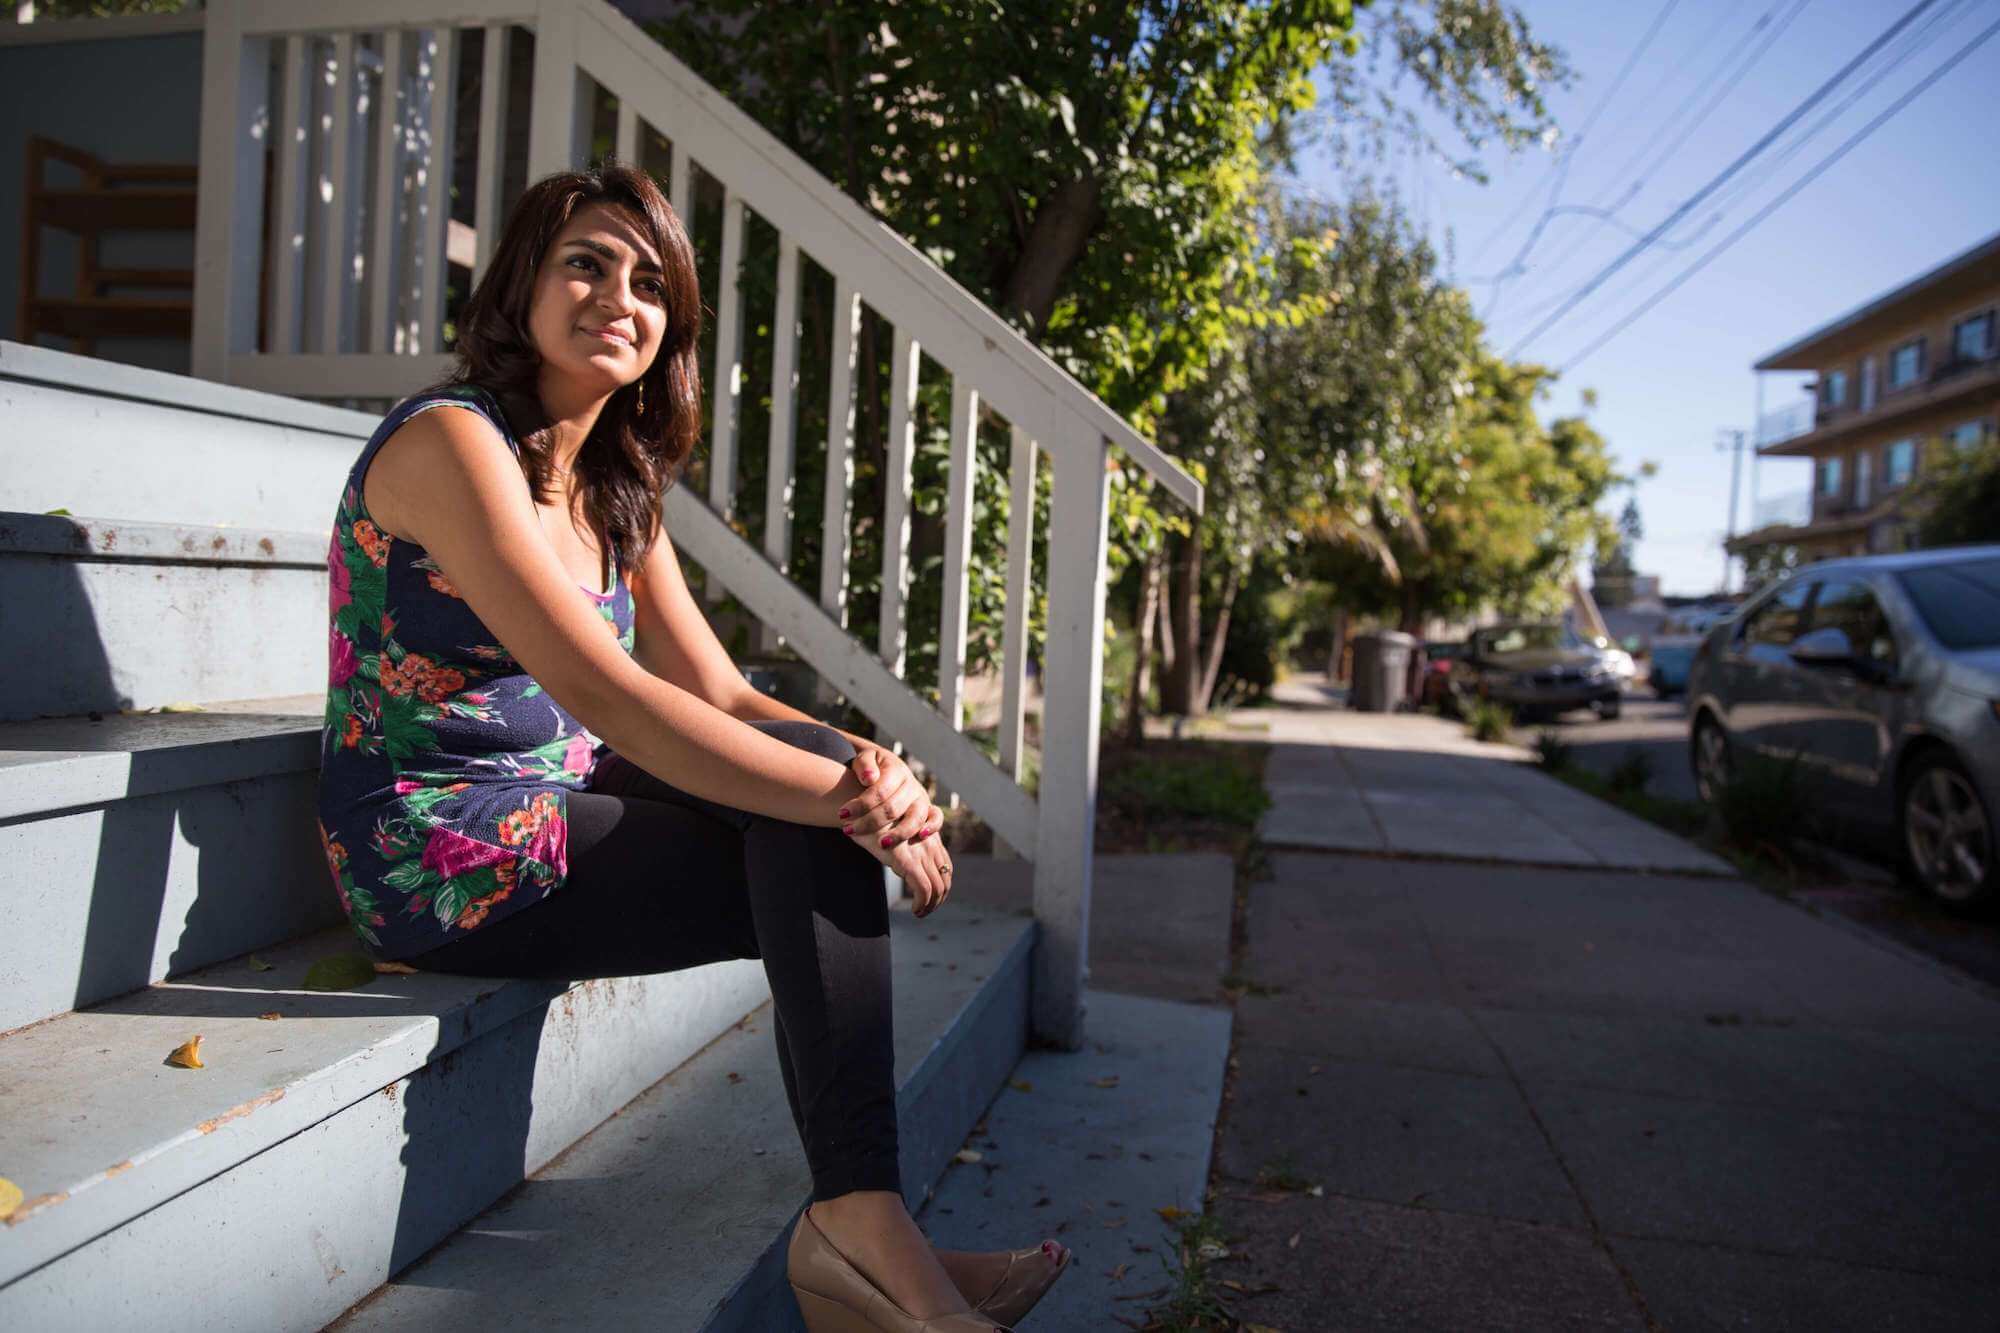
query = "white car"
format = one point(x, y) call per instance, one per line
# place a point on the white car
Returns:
point(1617, 661)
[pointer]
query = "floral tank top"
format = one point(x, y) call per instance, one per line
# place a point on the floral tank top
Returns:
point(444, 768)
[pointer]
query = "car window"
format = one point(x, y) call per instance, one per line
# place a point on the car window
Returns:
point(1960, 602)
point(1770, 629)
point(1850, 606)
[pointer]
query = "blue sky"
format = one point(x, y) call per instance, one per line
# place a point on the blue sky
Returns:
point(1922, 188)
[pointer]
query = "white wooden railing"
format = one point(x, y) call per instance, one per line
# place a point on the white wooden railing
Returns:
point(354, 246)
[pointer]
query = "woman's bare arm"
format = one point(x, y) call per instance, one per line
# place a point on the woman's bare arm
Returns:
point(447, 481)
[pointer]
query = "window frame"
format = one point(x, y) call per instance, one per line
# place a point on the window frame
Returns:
point(1985, 316)
point(1890, 479)
point(1835, 581)
point(1833, 389)
point(1917, 375)
point(1830, 479)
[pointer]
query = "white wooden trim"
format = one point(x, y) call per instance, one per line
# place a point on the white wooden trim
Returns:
point(275, 17)
point(287, 239)
point(1020, 380)
point(1079, 505)
point(436, 213)
point(957, 548)
point(728, 381)
point(1020, 568)
point(837, 510)
point(112, 27)
point(781, 464)
point(626, 147)
point(492, 142)
point(680, 183)
point(114, 379)
point(552, 124)
point(229, 192)
point(381, 262)
point(849, 666)
point(341, 375)
point(338, 212)
point(905, 363)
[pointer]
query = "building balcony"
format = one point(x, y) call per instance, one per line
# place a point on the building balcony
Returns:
point(1949, 383)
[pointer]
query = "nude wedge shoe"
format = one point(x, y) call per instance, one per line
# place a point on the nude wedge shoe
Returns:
point(836, 1297)
point(1027, 1279)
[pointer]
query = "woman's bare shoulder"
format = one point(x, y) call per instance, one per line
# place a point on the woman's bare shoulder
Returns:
point(434, 462)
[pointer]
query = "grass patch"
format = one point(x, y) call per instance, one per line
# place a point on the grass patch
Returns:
point(1192, 1304)
point(1488, 721)
point(1689, 819)
point(1552, 752)
point(1203, 784)
point(1763, 805)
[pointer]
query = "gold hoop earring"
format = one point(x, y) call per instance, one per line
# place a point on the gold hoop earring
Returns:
point(642, 398)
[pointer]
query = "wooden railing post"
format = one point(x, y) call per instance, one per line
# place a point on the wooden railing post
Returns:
point(229, 213)
point(1079, 504)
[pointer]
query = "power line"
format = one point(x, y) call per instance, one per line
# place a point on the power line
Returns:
point(1561, 168)
point(1727, 172)
point(1818, 169)
point(1912, 43)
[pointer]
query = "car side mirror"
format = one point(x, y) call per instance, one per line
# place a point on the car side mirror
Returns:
point(1824, 647)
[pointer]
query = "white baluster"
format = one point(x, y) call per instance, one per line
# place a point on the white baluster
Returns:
point(428, 327)
point(957, 555)
point(553, 128)
point(779, 469)
point(901, 445)
point(339, 200)
point(288, 235)
point(487, 208)
point(1014, 632)
point(1073, 671)
point(680, 184)
point(626, 149)
point(728, 381)
point(381, 261)
point(838, 506)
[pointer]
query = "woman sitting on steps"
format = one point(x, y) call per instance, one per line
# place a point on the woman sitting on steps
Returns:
point(539, 762)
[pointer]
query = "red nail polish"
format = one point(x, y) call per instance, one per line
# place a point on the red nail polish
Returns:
point(843, 812)
point(847, 829)
point(889, 841)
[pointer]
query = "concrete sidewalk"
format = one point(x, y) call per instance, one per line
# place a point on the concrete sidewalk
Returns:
point(1410, 784)
point(1538, 1098)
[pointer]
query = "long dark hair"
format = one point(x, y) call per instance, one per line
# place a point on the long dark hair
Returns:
point(631, 458)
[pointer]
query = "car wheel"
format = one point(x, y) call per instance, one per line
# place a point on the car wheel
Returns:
point(1607, 709)
point(1710, 755)
point(1947, 838)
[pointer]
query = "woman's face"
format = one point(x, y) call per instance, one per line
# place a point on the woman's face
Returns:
point(598, 310)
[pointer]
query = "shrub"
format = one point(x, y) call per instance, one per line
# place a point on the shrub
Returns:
point(1762, 804)
point(1552, 751)
point(1215, 787)
point(1633, 774)
point(1488, 721)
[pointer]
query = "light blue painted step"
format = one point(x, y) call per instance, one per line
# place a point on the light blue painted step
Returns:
point(108, 613)
point(139, 847)
point(674, 1213)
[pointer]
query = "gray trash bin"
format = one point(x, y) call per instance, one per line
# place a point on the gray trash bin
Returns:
point(1381, 667)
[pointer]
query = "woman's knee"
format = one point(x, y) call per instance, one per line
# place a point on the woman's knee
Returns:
point(815, 737)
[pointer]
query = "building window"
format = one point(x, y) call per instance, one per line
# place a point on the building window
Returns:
point(1833, 389)
point(1829, 477)
point(1969, 436)
point(1864, 466)
point(1867, 382)
point(1906, 364)
point(1902, 461)
point(1972, 339)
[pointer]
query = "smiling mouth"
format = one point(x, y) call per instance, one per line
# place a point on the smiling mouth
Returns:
point(610, 335)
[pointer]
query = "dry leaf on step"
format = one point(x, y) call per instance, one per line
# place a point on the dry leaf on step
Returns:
point(10, 1197)
point(398, 969)
point(273, 1014)
point(1171, 1214)
point(188, 1054)
point(341, 971)
point(1293, 1243)
point(967, 1156)
point(258, 965)
point(1108, 1081)
point(1020, 1085)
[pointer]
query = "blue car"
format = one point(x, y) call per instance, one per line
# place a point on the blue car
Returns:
point(1671, 660)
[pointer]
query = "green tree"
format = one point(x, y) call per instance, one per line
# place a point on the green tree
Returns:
point(1958, 500)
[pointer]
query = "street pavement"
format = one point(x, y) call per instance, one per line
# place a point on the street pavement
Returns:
point(1498, 1092)
point(1655, 728)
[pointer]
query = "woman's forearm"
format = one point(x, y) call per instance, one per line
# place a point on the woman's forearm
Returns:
point(753, 705)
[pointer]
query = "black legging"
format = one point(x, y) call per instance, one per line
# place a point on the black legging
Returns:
point(660, 880)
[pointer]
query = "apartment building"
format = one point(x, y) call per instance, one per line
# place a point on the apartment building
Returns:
point(1901, 379)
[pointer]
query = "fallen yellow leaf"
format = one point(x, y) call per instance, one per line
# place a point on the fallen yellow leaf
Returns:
point(967, 1155)
point(1171, 1214)
point(398, 969)
point(1021, 1085)
point(1108, 1081)
point(188, 1054)
point(273, 1014)
point(258, 965)
point(10, 1197)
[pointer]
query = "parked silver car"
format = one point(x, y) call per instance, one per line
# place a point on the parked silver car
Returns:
point(1882, 675)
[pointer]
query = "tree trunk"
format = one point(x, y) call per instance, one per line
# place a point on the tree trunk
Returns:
point(1339, 648)
point(1056, 240)
point(1217, 637)
point(1142, 666)
point(1180, 685)
point(1413, 609)
point(1163, 609)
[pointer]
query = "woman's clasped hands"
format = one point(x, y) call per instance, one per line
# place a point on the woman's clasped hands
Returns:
point(894, 819)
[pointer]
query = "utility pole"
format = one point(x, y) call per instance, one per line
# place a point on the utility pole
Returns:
point(1732, 441)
